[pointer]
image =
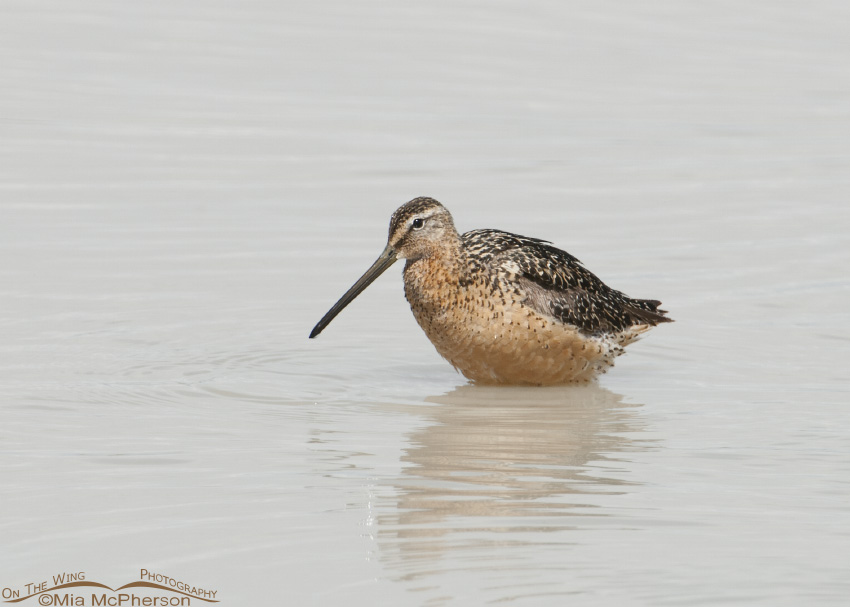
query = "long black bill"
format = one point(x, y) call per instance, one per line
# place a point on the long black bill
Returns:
point(387, 258)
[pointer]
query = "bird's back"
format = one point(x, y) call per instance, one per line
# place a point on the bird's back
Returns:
point(556, 284)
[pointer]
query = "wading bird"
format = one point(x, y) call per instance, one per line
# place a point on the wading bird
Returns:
point(504, 308)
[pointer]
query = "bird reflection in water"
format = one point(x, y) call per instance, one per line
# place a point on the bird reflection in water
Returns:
point(510, 460)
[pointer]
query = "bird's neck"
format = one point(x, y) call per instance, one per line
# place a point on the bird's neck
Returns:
point(443, 266)
point(448, 256)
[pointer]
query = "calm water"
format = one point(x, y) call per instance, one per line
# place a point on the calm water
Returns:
point(186, 187)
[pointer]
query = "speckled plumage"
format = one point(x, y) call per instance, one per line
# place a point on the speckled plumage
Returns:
point(504, 308)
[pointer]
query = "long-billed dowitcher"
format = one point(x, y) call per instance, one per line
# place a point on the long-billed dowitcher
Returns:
point(503, 308)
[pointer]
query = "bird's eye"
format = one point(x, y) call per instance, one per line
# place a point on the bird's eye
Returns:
point(417, 223)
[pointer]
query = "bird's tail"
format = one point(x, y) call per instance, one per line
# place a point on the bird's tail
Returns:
point(647, 311)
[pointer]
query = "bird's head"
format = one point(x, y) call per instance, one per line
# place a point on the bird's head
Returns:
point(419, 228)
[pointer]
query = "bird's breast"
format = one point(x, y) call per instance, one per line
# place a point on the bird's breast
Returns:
point(481, 325)
point(434, 292)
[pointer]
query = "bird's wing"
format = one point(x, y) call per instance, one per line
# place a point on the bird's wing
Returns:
point(556, 284)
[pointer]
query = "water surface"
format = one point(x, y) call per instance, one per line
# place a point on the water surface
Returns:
point(187, 187)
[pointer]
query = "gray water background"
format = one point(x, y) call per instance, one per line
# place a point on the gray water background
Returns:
point(186, 187)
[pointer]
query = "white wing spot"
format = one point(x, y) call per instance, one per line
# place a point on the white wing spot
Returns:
point(511, 267)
